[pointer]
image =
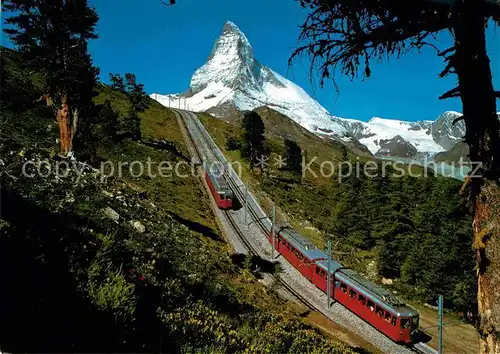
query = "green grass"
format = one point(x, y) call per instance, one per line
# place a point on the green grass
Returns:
point(105, 285)
point(181, 196)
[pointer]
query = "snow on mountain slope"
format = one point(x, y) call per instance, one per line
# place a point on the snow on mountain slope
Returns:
point(232, 74)
point(418, 134)
point(233, 77)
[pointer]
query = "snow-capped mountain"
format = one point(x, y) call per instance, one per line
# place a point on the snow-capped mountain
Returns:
point(232, 75)
point(425, 136)
point(232, 78)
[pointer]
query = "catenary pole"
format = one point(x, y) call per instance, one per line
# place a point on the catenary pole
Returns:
point(440, 324)
point(273, 231)
point(246, 205)
point(329, 282)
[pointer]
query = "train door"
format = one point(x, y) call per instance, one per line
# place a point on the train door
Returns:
point(319, 278)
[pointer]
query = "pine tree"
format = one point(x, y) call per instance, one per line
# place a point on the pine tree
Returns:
point(52, 37)
point(132, 125)
point(252, 146)
point(108, 119)
point(138, 103)
point(135, 93)
point(117, 82)
point(293, 156)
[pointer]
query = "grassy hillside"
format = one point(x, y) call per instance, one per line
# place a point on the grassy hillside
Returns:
point(118, 263)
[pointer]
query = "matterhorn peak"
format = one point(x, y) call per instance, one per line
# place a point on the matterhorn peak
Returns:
point(232, 77)
point(231, 62)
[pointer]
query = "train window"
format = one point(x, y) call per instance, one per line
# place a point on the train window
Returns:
point(343, 287)
point(379, 311)
point(388, 317)
point(371, 305)
point(362, 299)
point(393, 321)
point(405, 323)
point(352, 293)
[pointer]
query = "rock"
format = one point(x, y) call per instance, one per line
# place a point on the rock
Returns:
point(138, 226)
point(111, 214)
point(387, 281)
point(396, 146)
point(371, 270)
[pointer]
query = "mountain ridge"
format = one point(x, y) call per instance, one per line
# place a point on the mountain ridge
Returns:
point(233, 79)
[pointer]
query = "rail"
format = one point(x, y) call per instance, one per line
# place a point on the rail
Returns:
point(259, 216)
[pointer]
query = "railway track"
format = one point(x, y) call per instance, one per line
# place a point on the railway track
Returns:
point(241, 235)
point(258, 219)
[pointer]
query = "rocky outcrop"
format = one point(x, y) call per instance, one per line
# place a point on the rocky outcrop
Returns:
point(396, 147)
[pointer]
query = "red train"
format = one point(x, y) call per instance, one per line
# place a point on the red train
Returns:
point(219, 188)
point(373, 303)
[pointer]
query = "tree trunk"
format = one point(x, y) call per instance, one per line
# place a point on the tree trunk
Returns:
point(483, 137)
point(65, 129)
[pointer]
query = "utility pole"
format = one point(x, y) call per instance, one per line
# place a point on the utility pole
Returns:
point(440, 324)
point(328, 282)
point(273, 230)
point(246, 204)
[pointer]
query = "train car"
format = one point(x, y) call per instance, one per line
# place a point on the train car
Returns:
point(301, 253)
point(371, 302)
point(376, 305)
point(219, 188)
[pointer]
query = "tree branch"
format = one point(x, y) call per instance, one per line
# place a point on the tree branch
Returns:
point(455, 92)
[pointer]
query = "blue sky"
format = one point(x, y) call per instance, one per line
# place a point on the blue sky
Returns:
point(163, 46)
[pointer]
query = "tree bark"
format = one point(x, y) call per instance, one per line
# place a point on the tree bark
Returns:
point(472, 66)
point(65, 131)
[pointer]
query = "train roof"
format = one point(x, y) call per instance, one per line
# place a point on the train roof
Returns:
point(375, 292)
point(334, 265)
point(306, 247)
point(369, 289)
point(215, 173)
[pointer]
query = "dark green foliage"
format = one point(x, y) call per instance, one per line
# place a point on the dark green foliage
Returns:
point(17, 88)
point(108, 118)
point(132, 125)
point(293, 156)
point(252, 146)
point(52, 38)
point(233, 144)
point(136, 94)
point(117, 82)
point(416, 229)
